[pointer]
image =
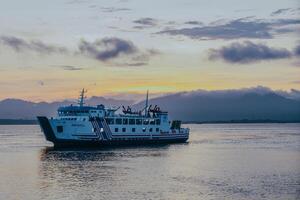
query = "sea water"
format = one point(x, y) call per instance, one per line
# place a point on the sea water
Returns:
point(220, 161)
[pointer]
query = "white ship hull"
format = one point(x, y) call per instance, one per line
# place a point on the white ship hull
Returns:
point(95, 131)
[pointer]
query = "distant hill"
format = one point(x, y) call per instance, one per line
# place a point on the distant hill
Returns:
point(18, 121)
point(20, 109)
point(245, 105)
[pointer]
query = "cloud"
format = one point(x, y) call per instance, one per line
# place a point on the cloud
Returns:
point(113, 9)
point(297, 51)
point(229, 93)
point(21, 45)
point(280, 11)
point(130, 64)
point(193, 23)
point(235, 29)
point(112, 49)
point(248, 52)
point(104, 50)
point(146, 21)
point(286, 11)
point(107, 48)
point(70, 68)
point(137, 64)
point(292, 94)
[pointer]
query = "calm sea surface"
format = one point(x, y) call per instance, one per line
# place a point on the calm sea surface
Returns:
point(223, 161)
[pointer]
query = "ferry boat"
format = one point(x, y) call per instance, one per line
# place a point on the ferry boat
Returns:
point(101, 126)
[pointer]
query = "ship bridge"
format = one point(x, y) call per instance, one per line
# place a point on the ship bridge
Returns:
point(81, 111)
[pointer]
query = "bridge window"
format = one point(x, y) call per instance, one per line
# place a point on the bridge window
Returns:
point(110, 120)
point(150, 129)
point(157, 129)
point(123, 129)
point(146, 121)
point(116, 129)
point(138, 121)
point(118, 121)
point(144, 129)
point(125, 121)
point(157, 121)
point(133, 129)
point(132, 121)
point(152, 122)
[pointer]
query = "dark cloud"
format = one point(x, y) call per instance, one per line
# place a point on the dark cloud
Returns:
point(280, 11)
point(248, 52)
point(235, 29)
point(286, 26)
point(286, 11)
point(140, 27)
point(232, 30)
point(112, 49)
point(21, 45)
point(297, 51)
point(193, 23)
point(145, 22)
point(70, 68)
point(107, 48)
point(283, 22)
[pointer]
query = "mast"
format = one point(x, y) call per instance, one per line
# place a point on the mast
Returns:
point(81, 97)
point(146, 106)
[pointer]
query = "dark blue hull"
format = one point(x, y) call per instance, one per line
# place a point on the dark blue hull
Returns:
point(75, 143)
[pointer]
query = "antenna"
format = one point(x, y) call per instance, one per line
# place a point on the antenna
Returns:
point(82, 97)
point(146, 106)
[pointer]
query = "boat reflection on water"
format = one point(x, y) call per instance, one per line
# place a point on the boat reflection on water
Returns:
point(76, 167)
point(98, 171)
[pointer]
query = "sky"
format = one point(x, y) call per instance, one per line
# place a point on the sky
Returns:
point(49, 50)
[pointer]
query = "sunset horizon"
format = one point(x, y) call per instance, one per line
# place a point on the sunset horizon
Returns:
point(122, 47)
point(139, 99)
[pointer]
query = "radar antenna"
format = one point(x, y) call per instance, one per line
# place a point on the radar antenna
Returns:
point(146, 106)
point(82, 97)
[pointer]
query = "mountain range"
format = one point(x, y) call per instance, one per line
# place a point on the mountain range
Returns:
point(259, 103)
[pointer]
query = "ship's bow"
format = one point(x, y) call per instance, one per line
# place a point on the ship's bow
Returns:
point(46, 128)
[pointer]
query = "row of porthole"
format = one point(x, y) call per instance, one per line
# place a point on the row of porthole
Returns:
point(74, 119)
point(134, 129)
